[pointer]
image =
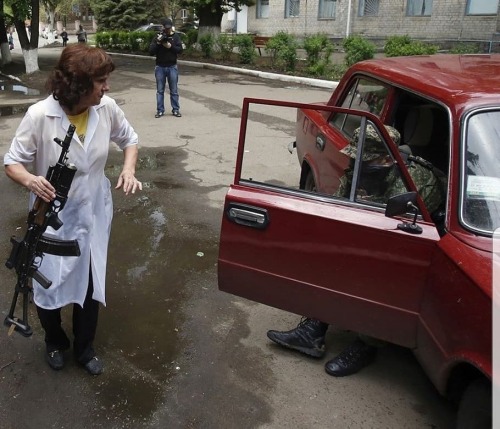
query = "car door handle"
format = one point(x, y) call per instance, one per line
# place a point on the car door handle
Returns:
point(243, 214)
point(320, 142)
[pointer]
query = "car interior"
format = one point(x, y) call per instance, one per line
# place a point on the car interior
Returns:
point(424, 128)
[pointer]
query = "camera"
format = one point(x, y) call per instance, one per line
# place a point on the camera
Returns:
point(162, 38)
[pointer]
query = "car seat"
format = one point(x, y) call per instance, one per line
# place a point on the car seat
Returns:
point(418, 128)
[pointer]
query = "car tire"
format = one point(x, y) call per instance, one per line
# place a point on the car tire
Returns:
point(475, 408)
point(310, 184)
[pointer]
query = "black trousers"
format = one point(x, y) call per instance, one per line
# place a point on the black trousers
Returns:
point(84, 327)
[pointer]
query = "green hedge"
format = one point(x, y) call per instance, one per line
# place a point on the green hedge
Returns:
point(131, 41)
point(398, 46)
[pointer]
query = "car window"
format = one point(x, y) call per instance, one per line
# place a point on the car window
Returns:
point(365, 95)
point(481, 172)
point(268, 161)
point(373, 175)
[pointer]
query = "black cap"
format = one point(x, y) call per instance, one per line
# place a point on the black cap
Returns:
point(167, 23)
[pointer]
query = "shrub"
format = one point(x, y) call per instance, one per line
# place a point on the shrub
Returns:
point(318, 49)
point(398, 46)
point(137, 39)
point(283, 49)
point(207, 45)
point(191, 38)
point(465, 48)
point(225, 44)
point(357, 49)
point(246, 49)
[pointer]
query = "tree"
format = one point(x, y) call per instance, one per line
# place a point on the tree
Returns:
point(210, 12)
point(4, 42)
point(125, 14)
point(50, 7)
point(23, 10)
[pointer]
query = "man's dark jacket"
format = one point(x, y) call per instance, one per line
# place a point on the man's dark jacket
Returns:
point(166, 57)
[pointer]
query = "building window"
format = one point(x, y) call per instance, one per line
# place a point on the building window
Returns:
point(368, 7)
point(327, 9)
point(262, 8)
point(292, 8)
point(481, 7)
point(419, 8)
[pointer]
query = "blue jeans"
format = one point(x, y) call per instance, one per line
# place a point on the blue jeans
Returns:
point(163, 75)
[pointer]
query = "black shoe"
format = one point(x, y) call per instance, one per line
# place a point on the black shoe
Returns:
point(94, 366)
point(352, 359)
point(176, 113)
point(308, 337)
point(55, 360)
point(159, 114)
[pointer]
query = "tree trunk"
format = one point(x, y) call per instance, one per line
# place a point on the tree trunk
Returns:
point(5, 52)
point(31, 60)
point(210, 16)
point(29, 45)
point(4, 42)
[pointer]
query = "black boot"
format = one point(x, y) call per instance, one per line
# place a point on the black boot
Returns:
point(308, 337)
point(352, 359)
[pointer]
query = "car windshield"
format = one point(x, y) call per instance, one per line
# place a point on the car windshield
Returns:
point(481, 172)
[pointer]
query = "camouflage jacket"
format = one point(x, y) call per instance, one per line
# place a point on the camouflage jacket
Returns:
point(430, 185)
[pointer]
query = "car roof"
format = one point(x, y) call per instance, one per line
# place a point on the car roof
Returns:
point(146, 27)
point(457, 80)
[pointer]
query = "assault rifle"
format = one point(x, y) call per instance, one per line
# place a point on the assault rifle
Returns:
point(27, 255)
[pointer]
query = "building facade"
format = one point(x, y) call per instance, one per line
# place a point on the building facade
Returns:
point(376, 19)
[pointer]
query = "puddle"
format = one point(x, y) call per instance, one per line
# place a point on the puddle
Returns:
point(18, 88)
point(153, 254)
point(13, 110)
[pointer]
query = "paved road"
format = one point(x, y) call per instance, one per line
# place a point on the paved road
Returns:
point(179, 353)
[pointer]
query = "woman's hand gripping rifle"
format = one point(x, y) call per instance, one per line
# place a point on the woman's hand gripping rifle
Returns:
point(27, 254)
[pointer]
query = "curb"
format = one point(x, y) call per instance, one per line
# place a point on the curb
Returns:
point(264, 75)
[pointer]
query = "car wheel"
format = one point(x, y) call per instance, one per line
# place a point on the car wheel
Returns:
point(310, 184)
point(475, 408)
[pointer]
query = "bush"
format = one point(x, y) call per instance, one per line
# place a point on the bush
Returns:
point(135, 41)
point(207, 45)
point(357, 49)
point(225, 44)
point(191, 38)
point(399, 46)
point(318, 49)
point(246, 49)
point(465, 48)
point(283, 49)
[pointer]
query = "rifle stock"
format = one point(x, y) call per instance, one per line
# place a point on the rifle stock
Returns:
point(27, 255)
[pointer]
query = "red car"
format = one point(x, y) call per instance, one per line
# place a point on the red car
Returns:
point(388, 267)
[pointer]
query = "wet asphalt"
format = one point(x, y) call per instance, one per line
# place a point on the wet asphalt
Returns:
point(177, 352)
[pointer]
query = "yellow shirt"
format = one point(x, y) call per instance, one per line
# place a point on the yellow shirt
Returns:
point(80, 122)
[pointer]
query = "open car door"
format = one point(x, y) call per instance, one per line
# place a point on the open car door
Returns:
point(339, 260)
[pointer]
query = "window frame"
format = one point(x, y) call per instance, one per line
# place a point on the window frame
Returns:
point(321, 9)
point(288, 6)
point(362, 7)
point(410, 3)
point(338, 121)
point(469, 13)
point(260, 8)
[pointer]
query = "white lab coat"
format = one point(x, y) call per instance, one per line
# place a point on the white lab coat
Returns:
point(88, 211)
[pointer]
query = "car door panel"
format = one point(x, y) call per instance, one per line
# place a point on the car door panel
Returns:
point(349, 280)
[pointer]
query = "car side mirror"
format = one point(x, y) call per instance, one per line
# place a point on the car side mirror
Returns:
point(401, 204)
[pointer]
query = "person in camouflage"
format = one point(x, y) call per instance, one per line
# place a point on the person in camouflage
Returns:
point(428, 181)
point(377, 166)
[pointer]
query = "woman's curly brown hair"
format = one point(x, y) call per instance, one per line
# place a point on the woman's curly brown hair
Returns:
point(74, 74)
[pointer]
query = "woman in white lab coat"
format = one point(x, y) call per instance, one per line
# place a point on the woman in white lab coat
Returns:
point(77, 85)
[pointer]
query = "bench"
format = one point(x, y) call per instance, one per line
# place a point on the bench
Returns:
point(260, 42)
